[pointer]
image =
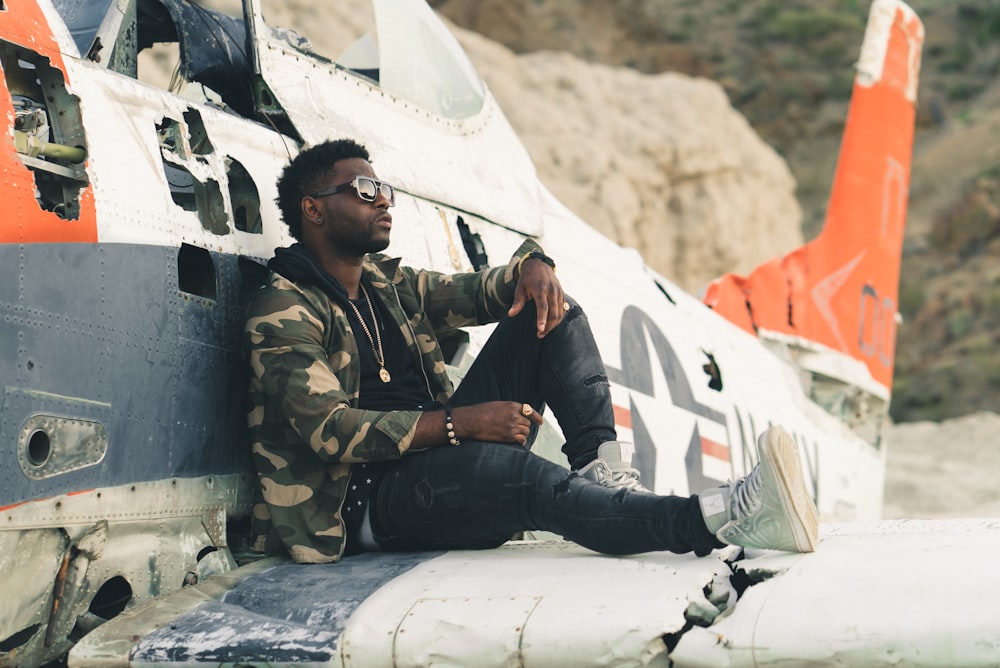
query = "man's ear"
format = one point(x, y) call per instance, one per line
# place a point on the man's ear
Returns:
point(311, 212)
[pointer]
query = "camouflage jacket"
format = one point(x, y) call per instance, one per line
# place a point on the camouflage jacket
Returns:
point(306, 428)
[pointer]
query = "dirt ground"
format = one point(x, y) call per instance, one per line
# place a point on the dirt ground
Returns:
point(944, 469)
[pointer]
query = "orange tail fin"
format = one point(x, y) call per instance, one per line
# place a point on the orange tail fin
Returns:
point(840, 290)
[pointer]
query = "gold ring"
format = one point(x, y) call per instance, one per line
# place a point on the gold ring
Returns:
point(526, 410)
point(565, 306)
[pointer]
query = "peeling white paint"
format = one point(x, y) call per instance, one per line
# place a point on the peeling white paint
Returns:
point(884, 15)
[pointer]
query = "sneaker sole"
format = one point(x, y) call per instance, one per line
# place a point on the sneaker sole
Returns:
point(779, 448)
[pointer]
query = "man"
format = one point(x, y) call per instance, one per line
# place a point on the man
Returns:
point(361, 444)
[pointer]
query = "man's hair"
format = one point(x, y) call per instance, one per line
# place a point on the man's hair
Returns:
point(309, 172)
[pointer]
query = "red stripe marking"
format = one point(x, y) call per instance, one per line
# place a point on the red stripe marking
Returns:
point(713, 449)
point(623, 417)
point(44, 498)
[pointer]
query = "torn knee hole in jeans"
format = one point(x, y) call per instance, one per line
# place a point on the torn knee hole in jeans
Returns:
point(562, 487)
point(596, 379)
point(424, 493)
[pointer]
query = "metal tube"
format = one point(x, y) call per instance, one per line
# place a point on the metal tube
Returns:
point(28, 145)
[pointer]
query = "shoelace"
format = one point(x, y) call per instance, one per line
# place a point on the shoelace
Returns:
point(627, 478)
point(746, 494)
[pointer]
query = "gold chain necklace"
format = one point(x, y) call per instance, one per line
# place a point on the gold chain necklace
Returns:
point(383, 373)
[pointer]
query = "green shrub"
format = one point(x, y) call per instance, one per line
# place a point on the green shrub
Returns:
point(841, 83)
point(958, 58)
point(990, 172)
point(960, 91)
point(800, 25)
point(960, 322)
point(764, 14)
point(911, 298)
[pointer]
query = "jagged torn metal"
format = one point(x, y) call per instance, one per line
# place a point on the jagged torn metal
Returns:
point(720, 596)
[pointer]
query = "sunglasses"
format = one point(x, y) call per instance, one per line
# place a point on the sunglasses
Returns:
point(366, 188)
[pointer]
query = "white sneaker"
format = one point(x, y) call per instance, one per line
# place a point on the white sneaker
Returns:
point(770, 508)
point(613, 467)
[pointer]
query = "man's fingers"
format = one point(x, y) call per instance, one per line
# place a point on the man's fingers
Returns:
point(542, 308)
point(519, 302)
point(551, 312)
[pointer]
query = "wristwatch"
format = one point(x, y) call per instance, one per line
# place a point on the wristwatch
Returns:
point(536, 255)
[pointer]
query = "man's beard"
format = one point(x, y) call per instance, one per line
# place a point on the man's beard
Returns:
point(359, 241)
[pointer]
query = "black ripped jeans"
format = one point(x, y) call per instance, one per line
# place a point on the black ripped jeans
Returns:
point(479, 494)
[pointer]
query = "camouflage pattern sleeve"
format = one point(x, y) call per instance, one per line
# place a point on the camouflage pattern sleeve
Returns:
point(472, 298)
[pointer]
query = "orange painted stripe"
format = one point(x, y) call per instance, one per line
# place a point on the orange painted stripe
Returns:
point(25, 23)
point(713, 449)
point(24, 221)
point(44, 498)
point(623, 417)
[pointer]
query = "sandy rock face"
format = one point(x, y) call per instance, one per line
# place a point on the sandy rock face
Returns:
point(661, 163)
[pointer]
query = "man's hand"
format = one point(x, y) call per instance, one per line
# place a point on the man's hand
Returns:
point(538, 283)
point(494, 421)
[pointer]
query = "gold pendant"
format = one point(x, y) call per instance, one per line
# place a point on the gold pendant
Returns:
point(383, 373)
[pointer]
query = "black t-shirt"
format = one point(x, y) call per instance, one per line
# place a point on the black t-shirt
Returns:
point(406, 390)
point(407, 386)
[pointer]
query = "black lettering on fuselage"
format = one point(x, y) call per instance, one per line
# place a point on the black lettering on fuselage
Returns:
point(638, 330)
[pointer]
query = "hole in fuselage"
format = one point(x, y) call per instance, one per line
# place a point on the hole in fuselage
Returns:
point(12, 642)
point(196, 271)
point(111, 598)
point(39, 448)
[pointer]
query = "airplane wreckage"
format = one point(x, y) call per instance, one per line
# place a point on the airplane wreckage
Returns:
point(135, 221)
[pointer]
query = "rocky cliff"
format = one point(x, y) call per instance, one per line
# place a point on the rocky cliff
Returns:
point(662, 163)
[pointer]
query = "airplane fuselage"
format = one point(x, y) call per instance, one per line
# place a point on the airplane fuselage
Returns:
point(122, 280)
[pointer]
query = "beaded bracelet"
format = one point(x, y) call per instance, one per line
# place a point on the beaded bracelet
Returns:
point(449, 426)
